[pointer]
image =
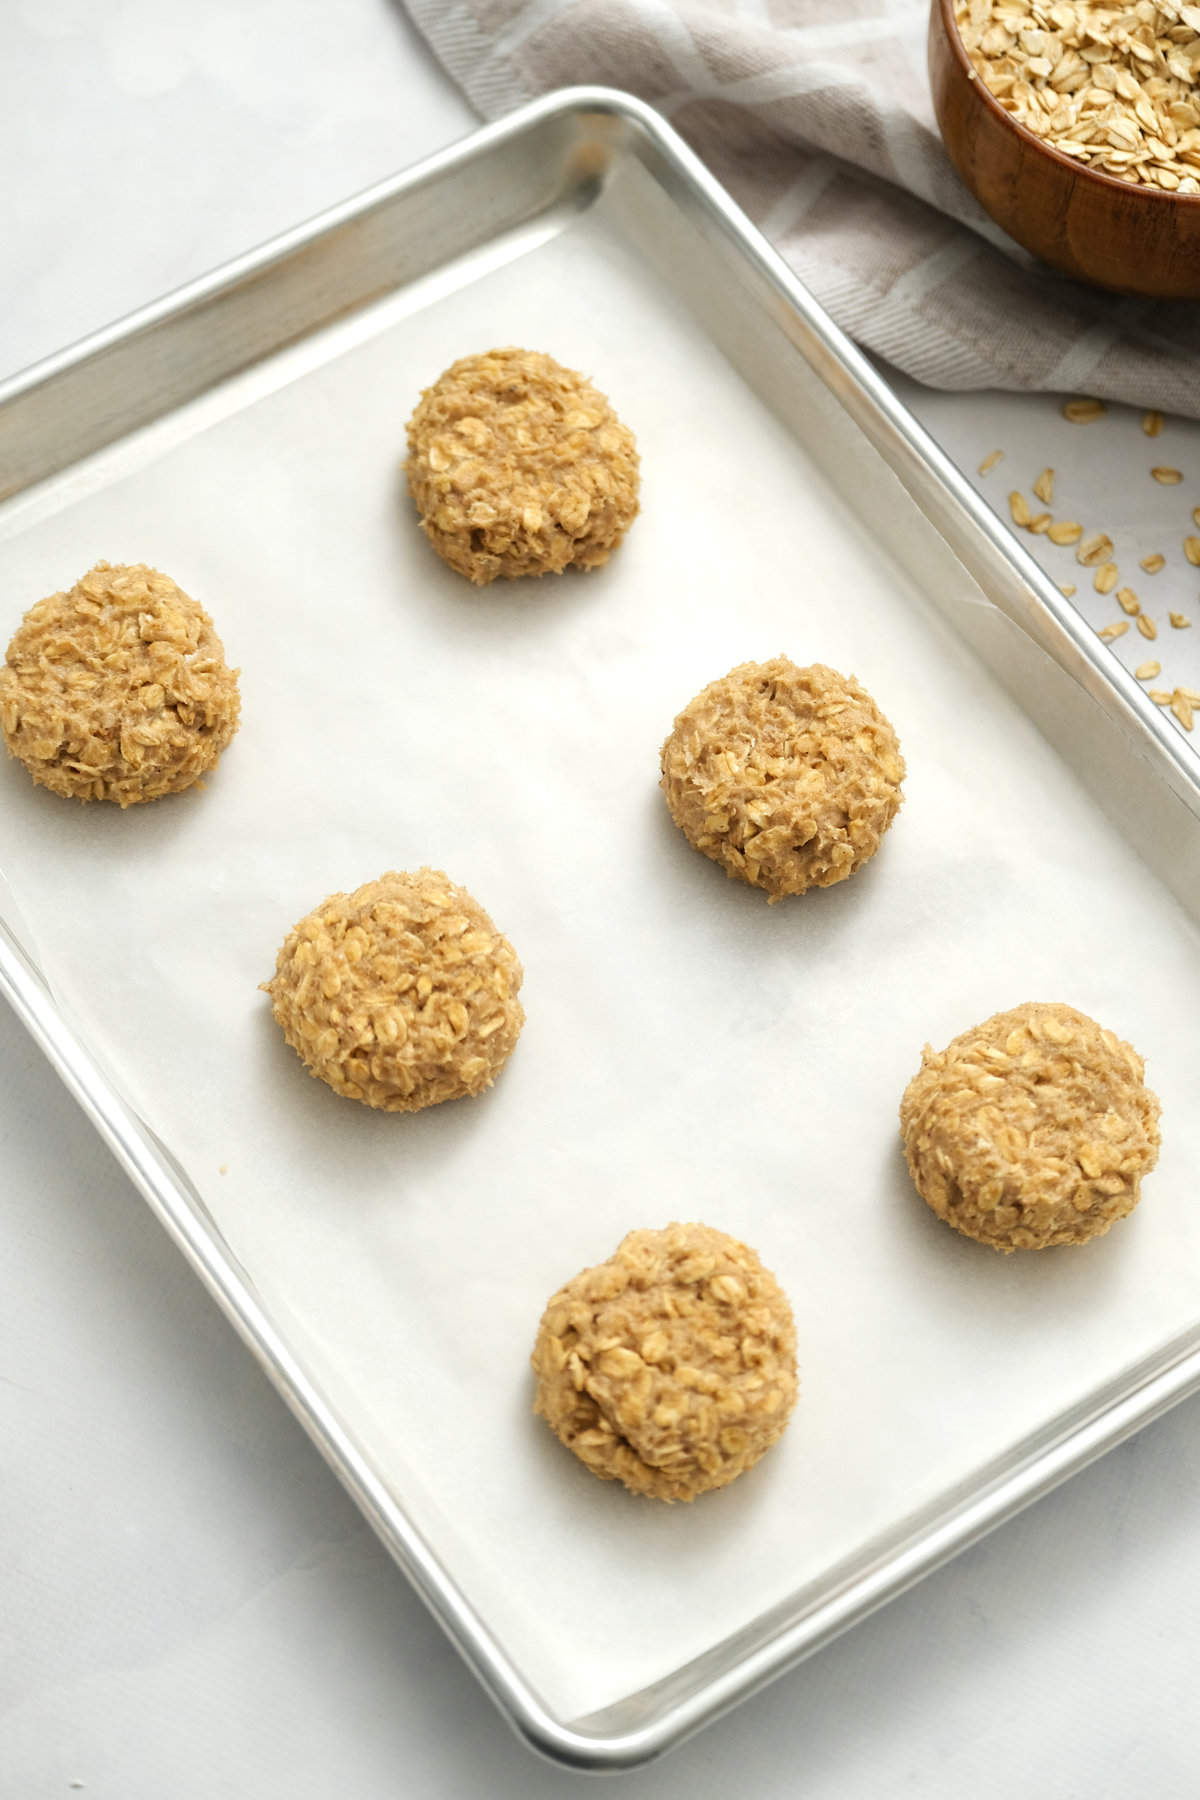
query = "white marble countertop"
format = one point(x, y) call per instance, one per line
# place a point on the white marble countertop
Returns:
point(191, 1606)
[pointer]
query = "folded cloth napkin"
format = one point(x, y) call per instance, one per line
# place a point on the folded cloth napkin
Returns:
point(816, 115)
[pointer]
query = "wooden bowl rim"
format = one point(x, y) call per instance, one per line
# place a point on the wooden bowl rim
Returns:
point(1080, 170)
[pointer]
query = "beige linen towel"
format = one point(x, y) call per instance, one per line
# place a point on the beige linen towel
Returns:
point(816, 115)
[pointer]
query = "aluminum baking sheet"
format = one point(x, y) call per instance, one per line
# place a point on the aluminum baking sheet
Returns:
point(690, 1052)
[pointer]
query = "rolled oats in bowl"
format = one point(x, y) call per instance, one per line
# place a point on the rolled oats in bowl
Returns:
point(1114, 87)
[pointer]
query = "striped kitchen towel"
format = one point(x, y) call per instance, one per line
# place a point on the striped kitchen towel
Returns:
point(816, 115)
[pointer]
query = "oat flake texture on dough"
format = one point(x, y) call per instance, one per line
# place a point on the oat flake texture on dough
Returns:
point(672, 1366)
point(788, 777)
point(118, 690)
point(1032, 1129)
point(401, 994)
point(520, 467)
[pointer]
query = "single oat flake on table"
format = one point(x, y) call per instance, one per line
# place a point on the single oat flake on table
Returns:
point(1111, 86)
point(1095, 549)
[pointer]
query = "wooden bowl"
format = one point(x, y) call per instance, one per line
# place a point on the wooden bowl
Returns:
point(1117, 234)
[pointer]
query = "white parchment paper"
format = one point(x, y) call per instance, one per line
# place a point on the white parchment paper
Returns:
point(689, 1053)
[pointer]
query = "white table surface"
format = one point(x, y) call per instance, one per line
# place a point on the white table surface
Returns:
point(190, 1605)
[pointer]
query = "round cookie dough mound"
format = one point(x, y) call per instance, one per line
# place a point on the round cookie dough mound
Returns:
point(118, 690)
point(787, 777)
point(520, 467)
point(1032, 1129)
point(670, 1367)
point(401, 994)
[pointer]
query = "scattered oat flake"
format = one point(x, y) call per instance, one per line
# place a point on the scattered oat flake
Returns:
point(989, 462)
point(1093, 550)
point(1065, 531)
point(1082, 412)
point(1040, 523)
point(1189, 694)
point(1168, 477)
point(1147, 671)
point(1196, 514)
point(1152, 423)
point(1152, 564)
point(1161, 696)
point(1191, 549)
point(1018, 506)
point(1183, 710)
point(1067, 588)
point(1179, 620)
point(1146, 626)
point(1106, 578)
point(1129, 601)
point(1043, 487)
point(1117, 629)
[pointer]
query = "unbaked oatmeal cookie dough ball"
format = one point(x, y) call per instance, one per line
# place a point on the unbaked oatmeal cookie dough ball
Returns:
point(119, 689)
point(670, 1367)
point(1032, 1129)
point(401, 994)
point(520, 467)
point(787, 777)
